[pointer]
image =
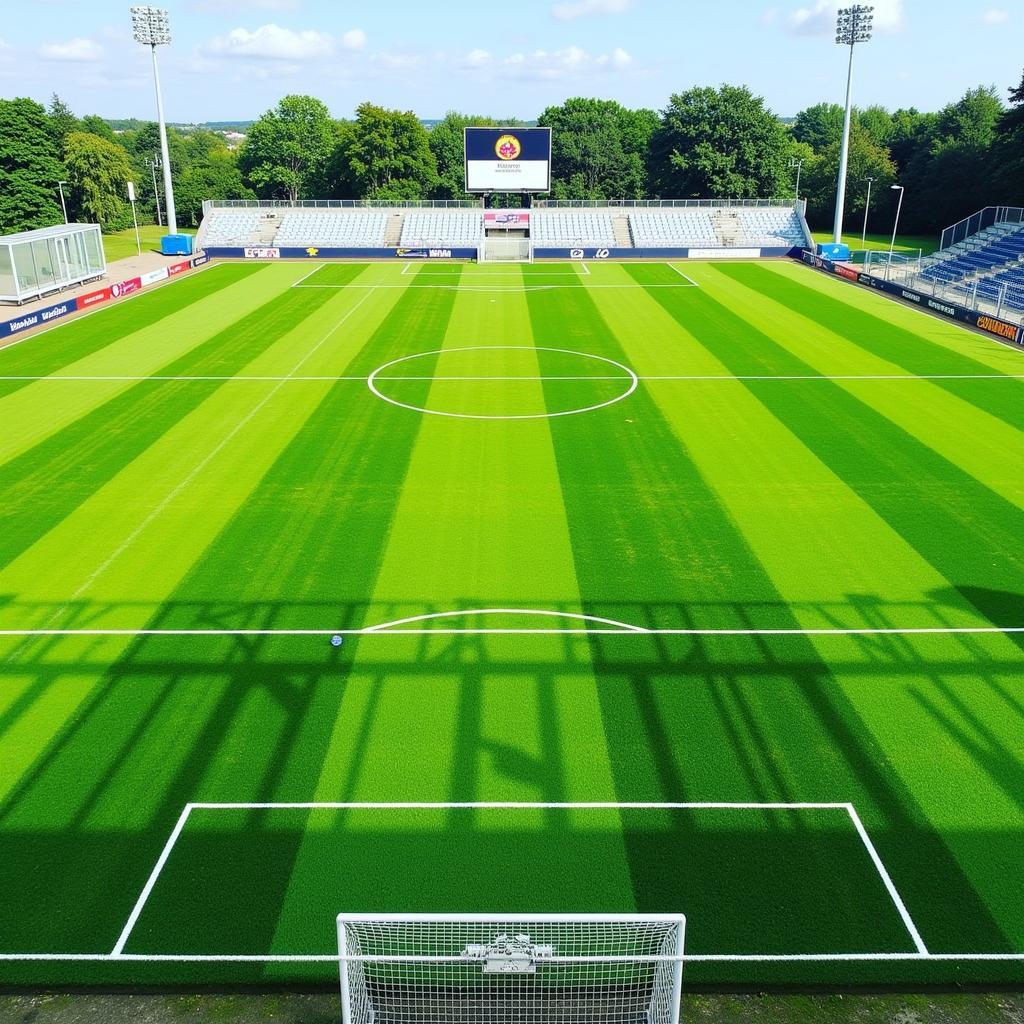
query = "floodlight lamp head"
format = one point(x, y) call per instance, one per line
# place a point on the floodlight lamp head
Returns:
point(854, 24)
point(151, 26)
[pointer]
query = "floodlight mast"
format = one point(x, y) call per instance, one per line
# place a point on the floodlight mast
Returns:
point(151, 27)
point(853, 25)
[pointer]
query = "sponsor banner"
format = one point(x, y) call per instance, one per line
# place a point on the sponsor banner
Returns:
point(725, 254)
point(424, 254)
point(178, 268)
point(155, 275)
point(992, 325)
point(37, 318)
point(261, 253)
point(123, 288)
point(508, 159)
point(848, 272)
point(507, 219)
point(198, 261)
point(93, 298)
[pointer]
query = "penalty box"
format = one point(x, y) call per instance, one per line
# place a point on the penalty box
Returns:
point(772, 880)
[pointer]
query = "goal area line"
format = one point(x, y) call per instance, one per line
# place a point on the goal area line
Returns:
point(846, 808)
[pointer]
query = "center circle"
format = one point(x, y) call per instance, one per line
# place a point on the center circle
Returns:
point(595, 374)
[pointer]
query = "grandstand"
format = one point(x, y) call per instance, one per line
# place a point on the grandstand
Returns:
point(444, 228)
point(663, 229)
point(329, 229)
point(573, 227)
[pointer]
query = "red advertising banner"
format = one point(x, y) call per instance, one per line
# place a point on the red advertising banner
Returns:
point(178, 268)
point(848, 272)
point(507, 219)
point(123, 288)
point(93, 298)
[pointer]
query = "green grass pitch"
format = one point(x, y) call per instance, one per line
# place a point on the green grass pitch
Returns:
point(628, 563)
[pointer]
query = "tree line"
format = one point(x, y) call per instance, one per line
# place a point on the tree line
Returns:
point(706, 143)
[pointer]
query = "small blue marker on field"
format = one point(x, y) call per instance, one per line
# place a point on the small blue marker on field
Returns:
point(337, 641)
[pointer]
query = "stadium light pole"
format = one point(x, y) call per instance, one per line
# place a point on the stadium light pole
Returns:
point(151, 27)
point(895, 227)
point(63, 205)
point(793, 162)
point(867, 206)
point(853, 26)
point(153, 165)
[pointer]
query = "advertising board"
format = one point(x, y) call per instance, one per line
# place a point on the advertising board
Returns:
point(508, 159)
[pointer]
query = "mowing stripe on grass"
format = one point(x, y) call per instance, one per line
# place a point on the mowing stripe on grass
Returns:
point(44, 484)
point(913, 350)
point(718, 735)
point(49, 352)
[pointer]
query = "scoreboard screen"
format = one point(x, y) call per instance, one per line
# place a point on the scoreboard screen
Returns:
point(508, 159)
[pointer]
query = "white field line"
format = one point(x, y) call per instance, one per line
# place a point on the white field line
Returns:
point(887, 881)
point(207, 459)
point(315, 270)
point(584, 269)
point(405, 269)
point(151, 881)
point(118, 953)
point(513, 289)
point(585, 377)
point(681, 274)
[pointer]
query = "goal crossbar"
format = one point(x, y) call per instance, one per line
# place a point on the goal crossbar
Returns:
point(511, 968)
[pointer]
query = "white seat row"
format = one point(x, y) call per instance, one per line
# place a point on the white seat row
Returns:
point(672, 228)
point(576, 227)
point(448, 228)
point(349, 229)
point(230, 228)
point(768, 227)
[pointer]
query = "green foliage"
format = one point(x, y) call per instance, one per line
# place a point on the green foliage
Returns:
point(447, 143)
point(819, 126)
point(30, 167)
point(95, 125)
point(62, 121)
point(719, 143)
point(878, 124)
point(287, 150)
point(599, 149)
point(216, 178)
point(99, 172)
point(387, 154)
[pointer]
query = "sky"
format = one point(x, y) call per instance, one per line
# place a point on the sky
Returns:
point(233, 59)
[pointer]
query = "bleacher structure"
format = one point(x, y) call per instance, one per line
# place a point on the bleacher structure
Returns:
point(551, 229)
point(981, 271)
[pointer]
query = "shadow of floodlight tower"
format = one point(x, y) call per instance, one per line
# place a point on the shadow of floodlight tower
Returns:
point(152, 28)
point(853, 26)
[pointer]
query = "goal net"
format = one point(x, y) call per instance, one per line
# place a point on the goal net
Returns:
point(505, 250)
point(509, 969)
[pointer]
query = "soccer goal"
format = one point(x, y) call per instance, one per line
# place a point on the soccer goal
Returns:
point(511, 969)
point(505, 250)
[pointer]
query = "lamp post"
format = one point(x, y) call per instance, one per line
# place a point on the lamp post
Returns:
point(853, 26)
point(151, 27)
point(793, 162)
point(63, 205)
point(153, 164)
point(895, 226)
point(867, 206)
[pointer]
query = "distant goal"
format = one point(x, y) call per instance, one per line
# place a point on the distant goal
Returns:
point(511, 969)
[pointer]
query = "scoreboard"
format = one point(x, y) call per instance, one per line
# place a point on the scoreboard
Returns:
point(508, 159)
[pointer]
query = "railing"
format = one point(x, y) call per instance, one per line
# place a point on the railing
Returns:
point(1007, 303)
point(979, 221)
point(648, 204)
point(338, 204)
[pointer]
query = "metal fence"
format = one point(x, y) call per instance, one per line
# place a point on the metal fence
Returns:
point(1006, 302)
point(981, 220)
point(338, 204)
point(648, 204)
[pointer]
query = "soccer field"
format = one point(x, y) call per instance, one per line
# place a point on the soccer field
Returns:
point(664, 588)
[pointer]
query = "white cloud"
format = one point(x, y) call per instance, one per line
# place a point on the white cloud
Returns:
point(994, 16)
point(574, 9)
point(820, 19)
point(77, 50)
point(354, 39)
point(272, 42)
point(547, 65)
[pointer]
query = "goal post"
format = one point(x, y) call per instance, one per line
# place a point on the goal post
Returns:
point(510, 968)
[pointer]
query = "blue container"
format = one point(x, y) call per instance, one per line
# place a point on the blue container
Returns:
point(834, 251)
point(176, 245)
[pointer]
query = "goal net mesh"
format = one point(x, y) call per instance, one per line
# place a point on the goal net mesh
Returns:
point(513, 970)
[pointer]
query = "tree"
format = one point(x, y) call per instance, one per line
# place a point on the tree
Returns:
point(286, 150)
point(819, 126)
point(62, 121)
point(99, 172)
point(447, 142)
point(219, 178)
point(95, 125)
point(1010, 148)
point(30, 168)
point(866, 160)
point(599, 149)
point(719, 143)
point(387, 155)
point(912, 136)
point(878, 124)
